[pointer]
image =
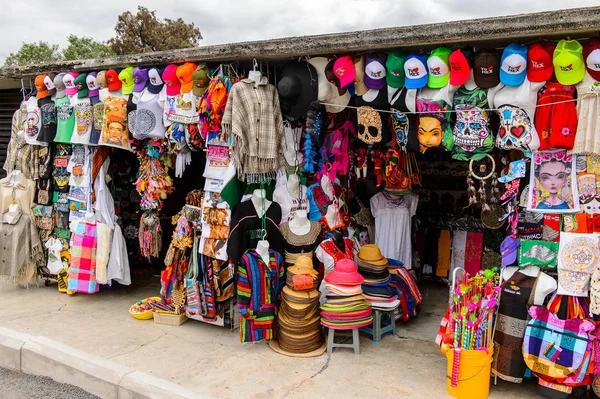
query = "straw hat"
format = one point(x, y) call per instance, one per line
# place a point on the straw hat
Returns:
point(371, 254)
point(344, 272)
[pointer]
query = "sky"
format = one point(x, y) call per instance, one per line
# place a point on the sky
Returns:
point(227, 21)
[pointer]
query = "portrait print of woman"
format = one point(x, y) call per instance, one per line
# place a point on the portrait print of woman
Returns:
point(433, 128)
point(553, 183)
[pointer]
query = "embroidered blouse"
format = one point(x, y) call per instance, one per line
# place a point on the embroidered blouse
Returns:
point(258, 291)
point(296, 245)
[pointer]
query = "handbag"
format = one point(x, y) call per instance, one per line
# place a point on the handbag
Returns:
point(192, 289)
point(43, 192)
point(556, 348)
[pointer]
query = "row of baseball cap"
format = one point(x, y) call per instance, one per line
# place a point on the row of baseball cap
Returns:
point(568, 61)
point(184, 78)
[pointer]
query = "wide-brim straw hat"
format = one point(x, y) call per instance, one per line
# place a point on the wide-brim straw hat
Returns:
point(371, 254)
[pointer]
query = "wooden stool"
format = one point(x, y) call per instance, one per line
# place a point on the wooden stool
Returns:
point(377, 329)
point(354, 345)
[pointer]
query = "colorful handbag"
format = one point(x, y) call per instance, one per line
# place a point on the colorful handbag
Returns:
point(192, 290)
point(556, 348)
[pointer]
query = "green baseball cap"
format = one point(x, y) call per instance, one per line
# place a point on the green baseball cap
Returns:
point(126, 77)
point(395, 69)
point(81, 84)
point(438, 68)
point(201, 78)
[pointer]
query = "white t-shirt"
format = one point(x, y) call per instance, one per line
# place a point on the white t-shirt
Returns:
point(289, 204)
point(33, 122)
point(516, 108)
point(54, 247)
point(393, 225)
point(83, 121)
point(180, 108)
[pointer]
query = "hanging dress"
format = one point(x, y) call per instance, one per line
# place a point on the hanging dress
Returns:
point(515, 299)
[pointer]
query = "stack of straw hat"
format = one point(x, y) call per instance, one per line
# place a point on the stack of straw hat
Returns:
point(373, 266)
point(298, 328)
point(346, 307)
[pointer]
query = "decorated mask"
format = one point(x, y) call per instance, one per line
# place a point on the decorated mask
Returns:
point(591, 206)
point(471, 131)
point(83, 117)
point(433, 124)
point(369, 125)
point(515, 129)
point(400, 124)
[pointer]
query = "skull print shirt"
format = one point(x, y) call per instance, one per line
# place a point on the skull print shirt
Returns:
point(83, 121)
point(472, 137)
point(516, 108)
point(373, 126)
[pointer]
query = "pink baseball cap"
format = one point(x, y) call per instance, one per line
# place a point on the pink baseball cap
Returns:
point(344, 70)
point(169, 76)
point(69, 82)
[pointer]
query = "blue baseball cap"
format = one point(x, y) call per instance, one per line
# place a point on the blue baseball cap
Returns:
point(415, 69)
point(513, 65)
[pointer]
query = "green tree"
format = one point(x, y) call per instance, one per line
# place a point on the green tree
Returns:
point(82, 48)
point(34, 53)
point(144, 32)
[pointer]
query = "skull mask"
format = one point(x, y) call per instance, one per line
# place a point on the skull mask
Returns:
point(401, 125)
point(515, 129)
point(369, 125)
point(471, 128)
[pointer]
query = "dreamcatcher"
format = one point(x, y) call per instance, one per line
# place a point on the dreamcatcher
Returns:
point(480, 170)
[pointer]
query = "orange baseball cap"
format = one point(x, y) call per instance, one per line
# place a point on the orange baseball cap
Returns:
point(44, 86)
point(184, 74)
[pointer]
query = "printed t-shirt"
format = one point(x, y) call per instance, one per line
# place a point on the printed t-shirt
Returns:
point(65, 115)
point(97, 119)
point(48, 112)
point(83, 121)
point(404, 121)
point(33, 122)
point(114, 127)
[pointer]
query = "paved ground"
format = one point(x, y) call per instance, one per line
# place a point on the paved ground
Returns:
point(212, 361)
point(20, 386)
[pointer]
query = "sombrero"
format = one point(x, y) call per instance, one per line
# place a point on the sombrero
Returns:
point(274, 344)
point(299, 296)
point(297, 88)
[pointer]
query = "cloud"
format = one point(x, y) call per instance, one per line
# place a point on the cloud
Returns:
point(233, 21)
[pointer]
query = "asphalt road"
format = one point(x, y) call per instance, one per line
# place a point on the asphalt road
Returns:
point(15, 385)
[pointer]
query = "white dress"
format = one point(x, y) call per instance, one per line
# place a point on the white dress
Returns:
point(393, 215)
point(587, 140)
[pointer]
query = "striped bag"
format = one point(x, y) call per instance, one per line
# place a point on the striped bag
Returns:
point(556, 348)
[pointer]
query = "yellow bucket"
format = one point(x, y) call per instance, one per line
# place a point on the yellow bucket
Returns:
point(474, 373)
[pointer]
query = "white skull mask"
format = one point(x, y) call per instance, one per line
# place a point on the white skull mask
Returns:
point(471, 128)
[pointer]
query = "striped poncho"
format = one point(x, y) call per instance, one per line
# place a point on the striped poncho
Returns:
point(258, 291)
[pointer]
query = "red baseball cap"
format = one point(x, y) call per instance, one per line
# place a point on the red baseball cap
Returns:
point(460, 66)
point(539, 60)
point(343, 68)
point(169, 76)
point(591, 55)
point(112, 80)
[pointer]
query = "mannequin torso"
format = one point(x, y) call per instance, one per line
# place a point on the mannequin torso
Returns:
point(300, 225)
point(293, 186)
point(545, 284)
point(262, 248)
point(261, 204)
point(255, 76)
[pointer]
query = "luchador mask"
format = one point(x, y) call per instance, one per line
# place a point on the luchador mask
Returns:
point(515, 129)
point(401, 125)
point(83, 117)
point(471, 128)
point(369, 125)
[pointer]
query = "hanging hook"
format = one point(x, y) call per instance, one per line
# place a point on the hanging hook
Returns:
point(254, 64)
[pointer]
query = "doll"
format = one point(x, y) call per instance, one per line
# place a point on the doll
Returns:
point(378, 165)
point(361, 163)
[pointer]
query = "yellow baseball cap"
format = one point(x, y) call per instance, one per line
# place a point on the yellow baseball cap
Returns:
point(569, 66)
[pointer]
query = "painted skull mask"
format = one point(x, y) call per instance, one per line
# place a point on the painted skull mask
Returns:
point(369, 125)
point(471, 128)
point(400, 124)
point(515, 129)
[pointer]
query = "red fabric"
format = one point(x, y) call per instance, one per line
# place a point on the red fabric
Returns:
point(556, 124)
point(473, 252)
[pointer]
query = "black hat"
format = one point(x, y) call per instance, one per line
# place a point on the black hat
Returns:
point(297, 89)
